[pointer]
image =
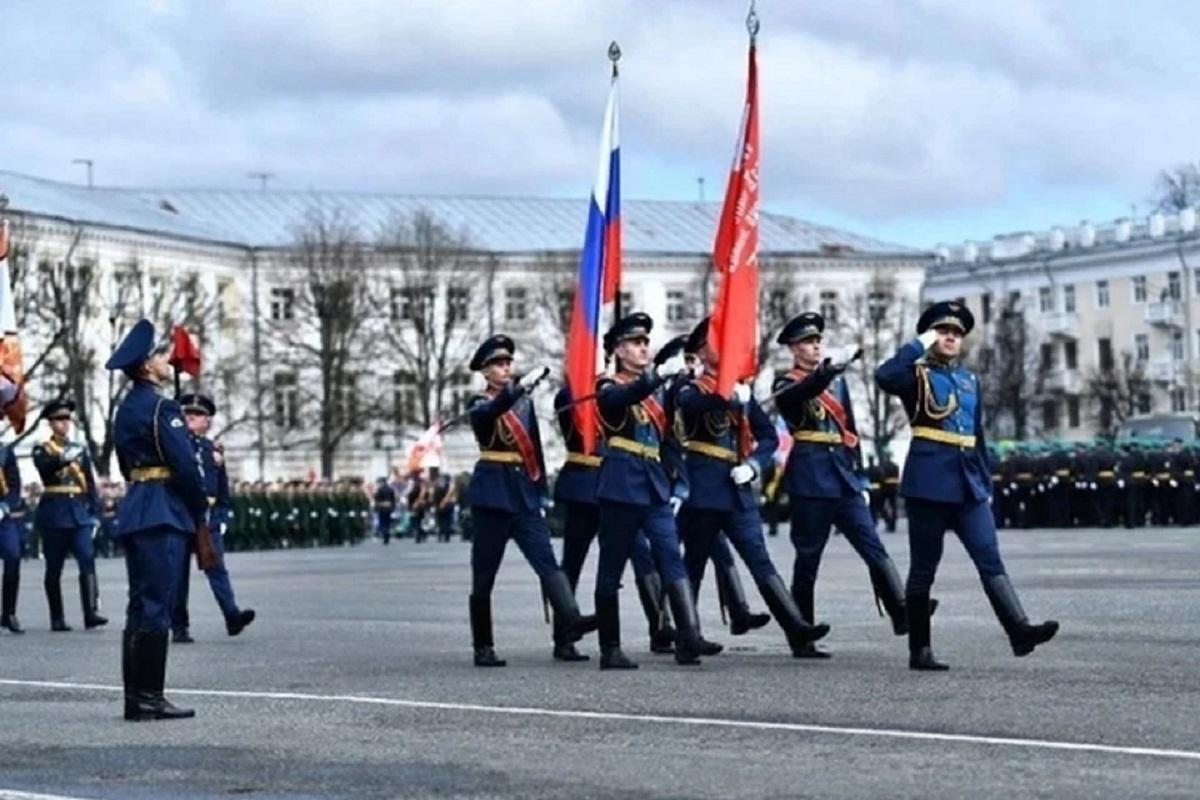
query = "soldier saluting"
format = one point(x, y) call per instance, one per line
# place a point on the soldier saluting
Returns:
point(507, 494)
point(166, 504)
point(67, 515)
point(946, 482)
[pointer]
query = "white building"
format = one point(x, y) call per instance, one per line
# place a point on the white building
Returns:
point(1113, 316)
point(227, 263)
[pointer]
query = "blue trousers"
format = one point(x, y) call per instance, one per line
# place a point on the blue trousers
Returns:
point(152, 562)
point(11, 532)
point(928, 522)
point(620, 525)
point(218, 581)
point(58, 542)
point(812, 520)
point(581, 523)
point(493, 529)
point(703, 539)
point(383, 521)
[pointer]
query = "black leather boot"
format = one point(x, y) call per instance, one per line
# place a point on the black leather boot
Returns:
point(564, 648)
point(889, 592)
point(1021, 635)
point(608, 619)
point(805, 597)
point(729, 586)
point(89, 598)
point(54, 600)
point(238, 622)
point(481, 632)
point(147, 671)
point(8, 619)
point(662, 635)
point(566, 611)
point(181, 636)
point(689, 645)
point(920, 654)
point(800, 634)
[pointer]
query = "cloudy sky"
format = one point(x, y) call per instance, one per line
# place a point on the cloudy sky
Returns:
point(918, 121)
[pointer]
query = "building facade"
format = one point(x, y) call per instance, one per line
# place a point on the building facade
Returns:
point(335, 327)
point(1083, 326)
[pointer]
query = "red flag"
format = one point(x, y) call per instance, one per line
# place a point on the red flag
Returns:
point(12, 365)
point(185, 355)
point(733, 332)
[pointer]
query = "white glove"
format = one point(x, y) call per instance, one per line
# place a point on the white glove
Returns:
point(676, 504)
point(224, 527)
point(73, 453)
point(742, 474)
point(928, 338)
point(1121, 484)
point(1093, 487)
point(673, 365)
point(742, 394)
point(3, 511)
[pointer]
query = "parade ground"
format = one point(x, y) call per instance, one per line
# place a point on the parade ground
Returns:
point(356, 681)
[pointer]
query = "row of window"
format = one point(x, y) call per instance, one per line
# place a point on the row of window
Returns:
point(1142, 291)
point(406, 401)
point(1053, 416)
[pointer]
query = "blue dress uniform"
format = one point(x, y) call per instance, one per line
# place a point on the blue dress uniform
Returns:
point(385, 507)
point(637, 494)
point(507, 494)
point(947, 482)
point(220, 504)
point(165, 501)
point(575, 493)
point(728, 444)
point(12, 530)
point(66, 518)
point(824, 480)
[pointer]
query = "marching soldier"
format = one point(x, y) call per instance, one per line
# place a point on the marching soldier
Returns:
point(891, 491)
point(444, 498)
point(11, 535)
point(66, 517)
point(1106, 497)
point(198, 412)
point(946, 482)
point(165, 505)
point(822, 473)
point(385, 505)
point(636, 493)
point(729, 444)
point(508, 495)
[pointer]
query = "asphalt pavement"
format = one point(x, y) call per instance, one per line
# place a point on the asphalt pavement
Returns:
point(356, 681)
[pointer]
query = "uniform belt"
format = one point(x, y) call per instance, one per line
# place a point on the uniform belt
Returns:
point(649, 452)
point(1137, 473)
point(501, 456)
point(1163, 476)
point(63, 490)
point(16, 515)
point(1062, 473)
point(890, 481)
point(383, 505)
point(144, 474)
point(822, 437)
point(1024, 476)
point(963, 440)
point(1189, 473)
point(713, 451)
point(1106, 473)
point(997, 477)
point(583, 459)
point(874, 486)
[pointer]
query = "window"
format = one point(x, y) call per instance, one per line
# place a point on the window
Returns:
point(516, 303)
point(1177, 345)
point(1045, 299)
point(344, 403)
point(986, 357)
point(566, 301)
point(1071, 354)
point(829, 306)
point(406, 409)
point(1049, 415)
point(224, 289)
point(412, 303)
point(1141, 347)
point(1106, 354)
point(1144, 403)
point(1047, 356)
point(1073, 411)
point(626, 302)
point(283, 304)
point(1174, 286)
point(459, 386)
point(677, 306)
point(985, 307)
point(1014, 300)
point(777, 305)
point(286, 401)
point(1101, 294)
point(1069, 298)
point(1196, 280)
point(458, 304)
point(1139, 289)
point(1178, 400)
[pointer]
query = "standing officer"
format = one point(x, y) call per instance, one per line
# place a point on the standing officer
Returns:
point(636, 493)
point(67, 515)
point(11, 534)
point(385, 505)
point(508, 495)
point(729, 444)
point(946, 483)
point(198, 412)
point(165, 505)
point(822, 473)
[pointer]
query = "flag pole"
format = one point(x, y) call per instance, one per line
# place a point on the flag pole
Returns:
point(614, 55)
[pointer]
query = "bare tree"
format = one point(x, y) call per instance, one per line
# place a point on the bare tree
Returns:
point(553, 299)
point(1014, 373)
point(1177, 188)
point(1116, 389)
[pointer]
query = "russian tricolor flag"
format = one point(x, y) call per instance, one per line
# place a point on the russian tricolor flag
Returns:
point(599, 277)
